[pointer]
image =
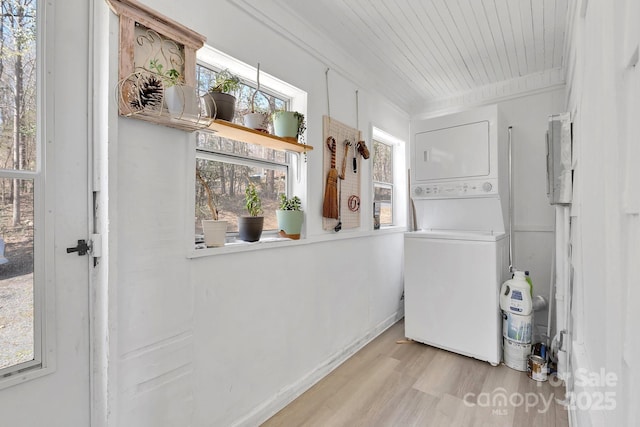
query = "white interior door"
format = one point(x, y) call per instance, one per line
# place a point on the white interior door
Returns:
point(54, 388)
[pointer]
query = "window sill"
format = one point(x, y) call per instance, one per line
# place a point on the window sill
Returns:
point(31, 371)
point(272, 242)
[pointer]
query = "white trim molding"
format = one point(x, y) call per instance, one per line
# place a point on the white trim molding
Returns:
point(496, 92)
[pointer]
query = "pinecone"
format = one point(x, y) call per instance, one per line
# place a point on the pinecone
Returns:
point(149, 93)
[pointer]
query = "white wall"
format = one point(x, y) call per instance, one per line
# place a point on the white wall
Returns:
point(533, 216)
point(231, 338)
point(603, 93)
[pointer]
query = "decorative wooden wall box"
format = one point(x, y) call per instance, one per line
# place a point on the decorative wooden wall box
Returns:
point(150, 45)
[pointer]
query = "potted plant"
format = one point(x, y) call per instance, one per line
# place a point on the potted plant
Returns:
point(289, 124)
point(258, 120)
point(250, 227)
point(219, 101)
point(290, 217)
point(181, 101)
point(215, 232)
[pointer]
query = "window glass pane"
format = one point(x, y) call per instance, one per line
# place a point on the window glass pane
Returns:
point(210, 142)
point(383, 196)
point(382, 162)
point(262, 102)
point(18, 86)
point(228, 182)
point(16, 272)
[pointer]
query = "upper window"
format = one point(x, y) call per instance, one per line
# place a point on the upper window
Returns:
point(383, 188)
point(264, 101)
point(226, 167)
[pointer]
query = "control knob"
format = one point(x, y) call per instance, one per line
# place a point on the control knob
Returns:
point(486, 187)
point(417, 191)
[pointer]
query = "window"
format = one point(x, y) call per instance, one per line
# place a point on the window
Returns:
point(383, 181)
point(265, 100)
point(19, 307)
point(225, 167)
point(389, 178)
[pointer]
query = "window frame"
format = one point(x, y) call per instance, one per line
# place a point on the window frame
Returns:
point(39, 294)
point(398, 186)
point(229, 158)
point(384, 184)
point(247, 82)
point(295, 163)
point(44, 319)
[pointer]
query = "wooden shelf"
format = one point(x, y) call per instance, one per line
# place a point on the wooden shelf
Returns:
point(230, 130)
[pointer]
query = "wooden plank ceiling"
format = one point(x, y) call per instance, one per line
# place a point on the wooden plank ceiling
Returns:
point(425, 50)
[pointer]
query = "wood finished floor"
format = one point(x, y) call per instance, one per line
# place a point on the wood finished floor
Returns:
point(391, 384)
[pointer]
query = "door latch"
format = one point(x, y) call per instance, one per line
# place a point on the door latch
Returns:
point(83, 248)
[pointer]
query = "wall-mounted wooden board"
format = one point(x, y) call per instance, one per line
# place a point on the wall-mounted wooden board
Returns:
point(350, 185)
point(151, 45)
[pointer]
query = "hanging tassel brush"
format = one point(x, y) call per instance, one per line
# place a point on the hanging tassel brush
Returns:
point(330, 206)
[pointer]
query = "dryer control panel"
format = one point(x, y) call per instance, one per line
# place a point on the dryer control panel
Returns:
point(455, 189)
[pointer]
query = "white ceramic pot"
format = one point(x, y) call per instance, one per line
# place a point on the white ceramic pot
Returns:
point(182, 102)
point(257, 121)
point(215, 232)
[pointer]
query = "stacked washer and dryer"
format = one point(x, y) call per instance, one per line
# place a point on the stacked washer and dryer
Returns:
point(458, 256)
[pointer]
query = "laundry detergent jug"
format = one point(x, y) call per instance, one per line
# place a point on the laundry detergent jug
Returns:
point(515, 295)
point(517, 320)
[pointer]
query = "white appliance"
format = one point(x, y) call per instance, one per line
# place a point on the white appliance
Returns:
point(559, 167)
point(458, 258)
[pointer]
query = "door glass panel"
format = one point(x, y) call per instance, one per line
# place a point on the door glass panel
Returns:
point(16, 272)
point(18, 152)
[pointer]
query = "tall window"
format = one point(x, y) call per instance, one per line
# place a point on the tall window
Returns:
point(19, 347)
point(227, 167)
point(383, 181)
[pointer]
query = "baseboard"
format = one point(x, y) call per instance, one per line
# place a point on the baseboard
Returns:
point(287, 395)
